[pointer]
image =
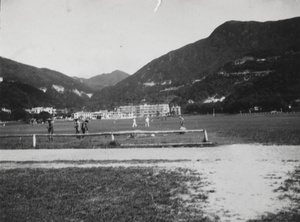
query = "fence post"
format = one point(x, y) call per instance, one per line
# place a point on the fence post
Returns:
point(34, 140)
point(205, 139)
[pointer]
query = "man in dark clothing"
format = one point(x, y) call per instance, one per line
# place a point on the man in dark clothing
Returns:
point(50, 129)
point(77, 127)
point(181, 121)
point(84, 127)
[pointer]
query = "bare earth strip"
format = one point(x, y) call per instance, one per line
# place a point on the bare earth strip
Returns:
point(240, 180)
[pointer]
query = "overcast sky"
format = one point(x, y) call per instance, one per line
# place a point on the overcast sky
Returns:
point(85, 38)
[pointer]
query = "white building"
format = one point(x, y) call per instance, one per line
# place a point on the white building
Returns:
point(38, 110)
point(145, 110)
point(83, 115)
point(176, 110)
point(99, 114)
point(6, 110)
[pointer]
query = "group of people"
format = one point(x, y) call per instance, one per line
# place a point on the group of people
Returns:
point(81, 126)
point(147, 122)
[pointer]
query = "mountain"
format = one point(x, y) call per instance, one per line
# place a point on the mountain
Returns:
point(201, 71)
point(31, 86)
point(100, 81)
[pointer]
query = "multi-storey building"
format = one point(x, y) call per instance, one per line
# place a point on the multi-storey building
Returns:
point(145, 110)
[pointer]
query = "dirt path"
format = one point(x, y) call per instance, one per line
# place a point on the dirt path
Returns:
point(239, 179)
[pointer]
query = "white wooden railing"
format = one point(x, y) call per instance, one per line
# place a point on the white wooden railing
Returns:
point(112, 134)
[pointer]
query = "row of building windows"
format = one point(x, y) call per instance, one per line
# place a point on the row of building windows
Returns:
point(146, 110)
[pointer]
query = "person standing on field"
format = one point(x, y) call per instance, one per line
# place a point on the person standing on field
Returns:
point(50, 129)
point(134, 122)
point(181, 122)
point(84, 127)
point(147, 122)
point(77, 126)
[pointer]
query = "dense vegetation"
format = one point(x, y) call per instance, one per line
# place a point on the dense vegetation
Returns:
point(15, 95)
point(269, 85)
point(26, 86)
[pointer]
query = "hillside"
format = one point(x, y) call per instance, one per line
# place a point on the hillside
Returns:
point(191, 72)
point(106, 79)
point(269, 83)
point(43, 86)
point(19, 95)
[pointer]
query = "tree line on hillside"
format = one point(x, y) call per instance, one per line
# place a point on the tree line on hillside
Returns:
point(22, 115)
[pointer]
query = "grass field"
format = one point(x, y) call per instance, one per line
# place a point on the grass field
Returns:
point(134, 193)
point(280, 129)
point(98, 194)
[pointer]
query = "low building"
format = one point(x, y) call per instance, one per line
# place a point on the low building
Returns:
point(99, 114)
point(176, 110)
point(38, 110)
point(83, 115)
point(6, 110)
point(117, 115)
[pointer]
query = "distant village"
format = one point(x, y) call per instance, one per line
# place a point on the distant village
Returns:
point(121, 112)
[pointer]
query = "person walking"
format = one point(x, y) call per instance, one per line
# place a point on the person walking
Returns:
point(84, 127)
point(181, 122)
point(147, 121)
point(77, 127)
point(134, 122)
point(50, 129)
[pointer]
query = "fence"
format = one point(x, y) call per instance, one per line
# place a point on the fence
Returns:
point(131, 134)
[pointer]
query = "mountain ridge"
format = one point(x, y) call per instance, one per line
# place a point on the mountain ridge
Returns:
point(100, 81)
point(39, 87)
point(176, 71)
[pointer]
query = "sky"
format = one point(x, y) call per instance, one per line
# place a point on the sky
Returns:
point(84, 38)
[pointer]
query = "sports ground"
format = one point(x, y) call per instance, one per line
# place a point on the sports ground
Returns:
point(250, 173)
